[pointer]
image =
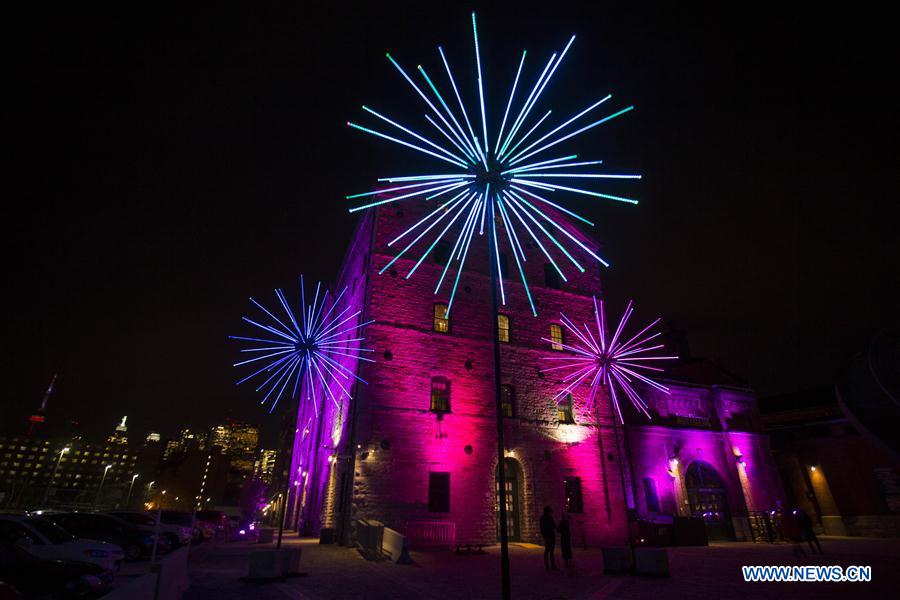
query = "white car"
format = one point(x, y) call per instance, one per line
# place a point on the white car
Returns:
point(45, 539)
point(178, 535)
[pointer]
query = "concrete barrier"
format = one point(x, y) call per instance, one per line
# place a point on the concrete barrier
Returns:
point(172, 571)
point(139, 588)
point(266, 536)
point(653, 562)
point(167, 580)
point(395, 546)
point(616, 560)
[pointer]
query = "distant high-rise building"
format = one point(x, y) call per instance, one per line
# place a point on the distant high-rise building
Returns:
point(153, 437)
point(37, 418)
point(172, 448)
point(191, 440)
point(120, 435)
point(264, 466)
point(220, 436)
point(63, 472)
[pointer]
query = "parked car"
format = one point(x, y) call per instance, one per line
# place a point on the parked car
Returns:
point(202, 530)
point(47, 540)
point(135, 542)
point(214, 517)
point(177, 535)
point(35, 577)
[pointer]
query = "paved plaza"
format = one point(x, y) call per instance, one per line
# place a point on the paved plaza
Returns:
point(707, 573)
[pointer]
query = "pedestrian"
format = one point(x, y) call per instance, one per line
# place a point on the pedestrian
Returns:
point(548, 531)
point(792, 533)
point(565, 539)
point(806, 529)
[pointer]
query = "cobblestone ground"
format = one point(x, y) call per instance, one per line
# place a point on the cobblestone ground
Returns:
point(712, 573)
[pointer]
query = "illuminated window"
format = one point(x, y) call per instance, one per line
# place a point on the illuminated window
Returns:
point(503, 328)
point(566, 410)
point(507, 400)
point(556, 335)
point(574, 501)
point(440, 394)
point(551, 277)
point(441, 320)
point(439, 492)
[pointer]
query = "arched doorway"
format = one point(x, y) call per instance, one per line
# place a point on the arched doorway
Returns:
point(512, 482)
point(708, 500)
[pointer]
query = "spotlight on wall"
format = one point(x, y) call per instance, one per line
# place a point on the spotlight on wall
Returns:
point(812, 469)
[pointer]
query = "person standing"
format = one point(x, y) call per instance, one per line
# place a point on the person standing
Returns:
point(548, 532)
point(806, 528)
point(565, 539)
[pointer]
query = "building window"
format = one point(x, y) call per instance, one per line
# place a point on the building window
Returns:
point(439, 492)
point(441, 320)
point(440, 394)
point(503, 328)
point(556, 337)
point(551, 277)
point(650, 495)
point(442, 252)
point(507, 400)
point(574, 502)
point(566, 411)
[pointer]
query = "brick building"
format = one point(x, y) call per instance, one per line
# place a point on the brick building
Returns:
point(418, 442)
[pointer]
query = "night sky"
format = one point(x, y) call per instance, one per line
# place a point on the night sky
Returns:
point(161, 167)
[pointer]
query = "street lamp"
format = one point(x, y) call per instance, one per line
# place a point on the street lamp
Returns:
point(100, 487)
point(56, 468)
point(130, 487)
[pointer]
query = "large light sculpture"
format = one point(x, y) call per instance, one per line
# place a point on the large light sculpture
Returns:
point(609, 361)
point(493, 178)
point(306, 353)
point(501, 177)
point(303, 352)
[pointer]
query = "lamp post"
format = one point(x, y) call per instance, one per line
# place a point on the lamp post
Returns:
point(100, 487)
point(55, 469)
point(130, 487)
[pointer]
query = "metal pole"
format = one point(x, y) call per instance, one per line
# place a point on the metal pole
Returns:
point(156, 534)
point(130, 487)
point(622, 457)
point(100, 488)
point(501, 485)
point(53, 476)
point(288, 472)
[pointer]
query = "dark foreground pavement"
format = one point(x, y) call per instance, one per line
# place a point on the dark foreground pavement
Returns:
point(710, 573)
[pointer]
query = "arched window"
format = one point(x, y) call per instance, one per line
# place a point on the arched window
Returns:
point(556, 337)
point(551, 277)
point(566, 410)
point(441, 320)
point(503, 328)
point(440, 394)
point(507, 400)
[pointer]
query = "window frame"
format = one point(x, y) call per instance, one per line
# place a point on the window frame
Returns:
point(574, 493)
point(566, 410)
point(511, 391)
point(507, 329)
point(439, 491)
point(431, 397)
point(435, 318)
point(554, 345)
point(552, 280)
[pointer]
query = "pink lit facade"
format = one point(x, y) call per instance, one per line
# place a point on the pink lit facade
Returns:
point(418, 442)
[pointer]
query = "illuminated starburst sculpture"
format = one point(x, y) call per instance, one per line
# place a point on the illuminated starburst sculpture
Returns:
point(501, 173)
point(610, 362)
point(306, 353)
